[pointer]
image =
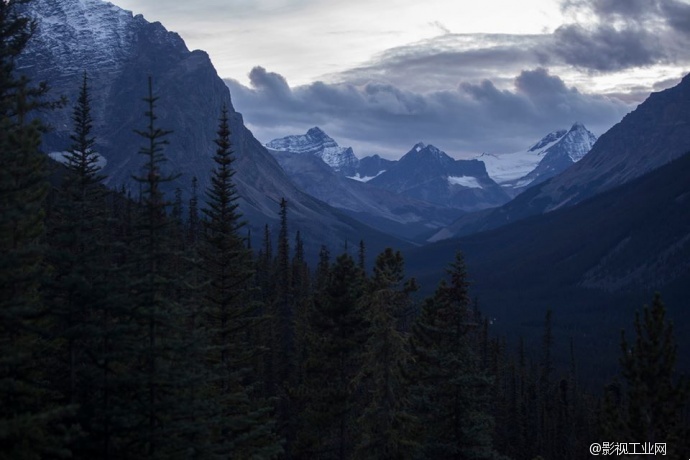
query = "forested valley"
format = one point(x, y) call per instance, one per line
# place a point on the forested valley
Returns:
point(136, 325)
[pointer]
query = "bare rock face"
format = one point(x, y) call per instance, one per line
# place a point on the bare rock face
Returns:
point(119, 51)
point(429, 174)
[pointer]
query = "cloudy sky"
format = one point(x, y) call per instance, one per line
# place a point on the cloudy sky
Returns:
point(469, 77)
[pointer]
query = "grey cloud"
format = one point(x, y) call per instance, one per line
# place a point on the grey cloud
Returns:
point(606, 48)
point(677, 15)
point(444, 61)
point(628, 9)
point(440, 26)
point(271, 82)
point(667, 83)
point(627, 33)
point(538, 82)
point(386, 119)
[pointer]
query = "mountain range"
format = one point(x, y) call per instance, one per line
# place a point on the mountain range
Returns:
point(384, 210)
point(592, 263)
point(425, 173)
point(655, 133)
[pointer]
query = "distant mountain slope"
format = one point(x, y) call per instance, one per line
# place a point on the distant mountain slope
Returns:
point(636, 236)
point(372, 166)
point(656, 132)
point(592, 263)
point(426, 173)
point(553, 154)
point(389, 212)
point(119, 51)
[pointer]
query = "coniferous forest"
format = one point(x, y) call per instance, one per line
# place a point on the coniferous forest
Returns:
point(147, 327)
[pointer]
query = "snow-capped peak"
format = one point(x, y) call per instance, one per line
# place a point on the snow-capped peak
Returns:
point(578, 141)
point(547, 141)
point(317, 132)
point(426, 153)
point(509, 168)
point(92, 35)
point(317, 142)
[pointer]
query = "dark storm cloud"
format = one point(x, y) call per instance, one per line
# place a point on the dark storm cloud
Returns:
point(617, 35)
point(674, 13)
point(629, 9)
point(469, 93)
point(677, 15)
point(624, 34)
point(444, 61)
point(471, 118)
point(606, 48)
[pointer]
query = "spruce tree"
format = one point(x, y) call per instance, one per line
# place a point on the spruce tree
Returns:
point(450, 392)
point(655, 398)
point(30, 421)
point(84, 295)
point(245, 429)
point(335, 336)
point(165, 359)
point(193, 220)
point(282, 316)
point(284, 300)
point(385, 424)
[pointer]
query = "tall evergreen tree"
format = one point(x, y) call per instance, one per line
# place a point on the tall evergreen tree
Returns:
point(284, 298)
point(655, 398)
point(166, 361)
point(283, 343)
point(29, 422)
point(385, 423)
point(335, 337)
point(245, 428)
point(361, 255)
point(450, 392)
point(193, 220)
point(83, 292)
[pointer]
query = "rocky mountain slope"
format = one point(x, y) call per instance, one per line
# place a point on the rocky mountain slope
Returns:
point(429, 174)
point(387, 211)
point(593, 264)
point(119, 51)
point(656, 132)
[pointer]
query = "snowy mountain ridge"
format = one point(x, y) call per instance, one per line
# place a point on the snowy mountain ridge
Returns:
point(429, 174)
point(100, 33)
point(318, 143)
point(546, 158)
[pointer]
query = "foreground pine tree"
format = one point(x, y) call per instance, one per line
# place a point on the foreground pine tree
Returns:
point(243, 423)
point(30, 418)
point(166, 358)
point(386, 426)
point(82, 293)
point(334, 342)
point(651, 406)
point(449, 391)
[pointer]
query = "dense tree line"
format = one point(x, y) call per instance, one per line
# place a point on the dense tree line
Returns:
point(130, 328)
